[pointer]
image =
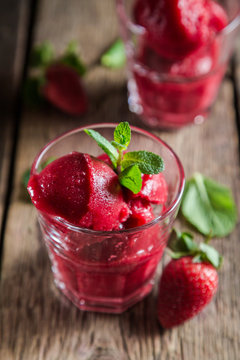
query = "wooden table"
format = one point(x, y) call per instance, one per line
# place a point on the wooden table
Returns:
point(36, 322)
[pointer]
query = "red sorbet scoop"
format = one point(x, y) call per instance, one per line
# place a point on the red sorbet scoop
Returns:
point(154, 189)
point(81, 189)
point(176, 28)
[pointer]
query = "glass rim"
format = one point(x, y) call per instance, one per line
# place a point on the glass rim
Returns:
point(139, 30)
point(169, 210)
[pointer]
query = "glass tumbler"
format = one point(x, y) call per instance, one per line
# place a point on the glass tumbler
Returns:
point(167, 92)
point(109, 271)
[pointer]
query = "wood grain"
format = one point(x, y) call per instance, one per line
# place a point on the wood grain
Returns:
point(37, 322)
point(12, 45)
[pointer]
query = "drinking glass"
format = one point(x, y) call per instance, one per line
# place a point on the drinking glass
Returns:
point(161, 91)
point(109, 271)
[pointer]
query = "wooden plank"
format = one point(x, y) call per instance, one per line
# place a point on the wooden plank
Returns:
point(11, 62)
point(37, 323)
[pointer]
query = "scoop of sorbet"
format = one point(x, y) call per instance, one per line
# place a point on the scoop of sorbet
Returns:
point(176, 28)
point(82, 190)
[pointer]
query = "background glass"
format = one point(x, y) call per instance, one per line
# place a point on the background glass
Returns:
point(162, 98)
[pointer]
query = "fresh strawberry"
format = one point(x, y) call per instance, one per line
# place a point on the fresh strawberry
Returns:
point(188, 283)
point(64, 90)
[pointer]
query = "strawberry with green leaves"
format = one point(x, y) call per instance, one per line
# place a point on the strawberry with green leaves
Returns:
point(57, 80)
point(189, 281)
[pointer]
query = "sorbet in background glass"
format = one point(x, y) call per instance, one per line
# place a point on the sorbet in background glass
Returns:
point(177, 55)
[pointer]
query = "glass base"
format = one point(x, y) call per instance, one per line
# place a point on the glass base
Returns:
point(156, 117)
point(105, 305)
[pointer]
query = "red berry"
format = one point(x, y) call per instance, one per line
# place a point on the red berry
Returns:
point(64, 90)
point(184, 290)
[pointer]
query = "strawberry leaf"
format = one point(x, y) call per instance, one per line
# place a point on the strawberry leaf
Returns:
point(32, 91)
point(41, 55)
point(211, 255)
point(72, 59)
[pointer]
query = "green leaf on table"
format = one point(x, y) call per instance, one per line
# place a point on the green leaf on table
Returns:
point(104, 144)
point(72, 59)
point(25, 177)
point(32, 91)
point(41, 55)
point(209, 206)
point(115, 56)
point(148, 162)
point(131, 178)
point(122, 134)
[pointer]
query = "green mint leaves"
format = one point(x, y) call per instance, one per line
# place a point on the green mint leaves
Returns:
point(209, 206)
point(130, 165)
point(114, 57)
point(183, 244)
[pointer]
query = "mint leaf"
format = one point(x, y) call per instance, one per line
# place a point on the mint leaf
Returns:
point(72, 59)
point(148, 162)
point(209, 206)
point(104, 144)
point(122, 134)
point(115, 56)
point(131, 178)
point(41, 55)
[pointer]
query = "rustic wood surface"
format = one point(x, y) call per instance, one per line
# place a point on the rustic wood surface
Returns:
point(36, 321)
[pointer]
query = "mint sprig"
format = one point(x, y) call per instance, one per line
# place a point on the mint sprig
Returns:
point(209, 206)
point(183, 244)
point(129, 165)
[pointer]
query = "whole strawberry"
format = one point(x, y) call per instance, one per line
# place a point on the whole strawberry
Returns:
point(56, 80)
point(188, 282)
